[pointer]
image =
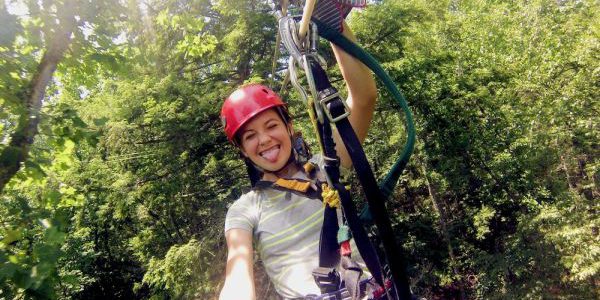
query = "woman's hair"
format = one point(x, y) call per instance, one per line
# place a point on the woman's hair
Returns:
point(253, 173)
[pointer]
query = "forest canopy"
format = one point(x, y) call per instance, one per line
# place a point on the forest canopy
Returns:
point(115, 175)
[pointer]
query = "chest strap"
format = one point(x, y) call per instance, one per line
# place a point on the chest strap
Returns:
point(329, 255)
point(299, 187)
point(293, 184)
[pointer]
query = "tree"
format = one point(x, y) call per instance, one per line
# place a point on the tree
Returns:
point(21, 139)
point(126, 182)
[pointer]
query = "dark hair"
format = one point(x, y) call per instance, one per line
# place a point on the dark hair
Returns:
point(253, 173)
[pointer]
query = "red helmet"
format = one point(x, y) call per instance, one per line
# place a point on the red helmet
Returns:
point(245, 103)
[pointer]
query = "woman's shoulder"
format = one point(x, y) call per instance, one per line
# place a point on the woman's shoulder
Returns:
point(254, 198)
point(249, 197)
point(243, 213)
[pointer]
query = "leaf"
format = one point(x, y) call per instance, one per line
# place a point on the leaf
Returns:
point(78, 122)
point(22, 278)
point(11, 236)
point(101, 121)
point(7, 270)
point(106, 60)
point(34, 170)
point(53, 197)
point(54, 236)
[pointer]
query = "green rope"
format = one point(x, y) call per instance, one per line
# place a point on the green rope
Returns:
point(390, 180)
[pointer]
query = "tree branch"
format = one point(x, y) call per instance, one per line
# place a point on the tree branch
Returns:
point(17, 151)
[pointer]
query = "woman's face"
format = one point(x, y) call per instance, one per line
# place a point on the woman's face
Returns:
point(266, 141)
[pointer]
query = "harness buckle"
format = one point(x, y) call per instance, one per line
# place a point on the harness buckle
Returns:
point(328, 279)
point(329, 95)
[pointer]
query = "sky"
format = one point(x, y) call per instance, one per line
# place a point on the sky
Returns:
point(14, 7)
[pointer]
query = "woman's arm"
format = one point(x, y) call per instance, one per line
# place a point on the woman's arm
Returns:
point(239, 274)
point(362, 94)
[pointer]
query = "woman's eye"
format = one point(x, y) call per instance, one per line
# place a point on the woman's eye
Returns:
point(248, 136)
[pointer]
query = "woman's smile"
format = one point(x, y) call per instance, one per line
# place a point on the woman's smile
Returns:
point(266, 141)
point(271, 154)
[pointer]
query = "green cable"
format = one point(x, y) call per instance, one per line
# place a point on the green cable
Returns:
point(390, 180)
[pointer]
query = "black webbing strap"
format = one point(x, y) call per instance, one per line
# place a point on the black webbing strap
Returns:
point(394, 254)
point(332, 164)
point(329, 255)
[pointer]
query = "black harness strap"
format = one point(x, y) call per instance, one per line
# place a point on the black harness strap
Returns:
point(329, 255)
point(332, 164)
point(394, 254)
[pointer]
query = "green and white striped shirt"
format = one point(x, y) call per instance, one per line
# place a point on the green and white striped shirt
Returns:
point(286, 228)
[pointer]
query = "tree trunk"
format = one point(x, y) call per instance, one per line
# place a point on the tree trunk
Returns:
point(440, 209)
point(17, 151)
point(565, 168)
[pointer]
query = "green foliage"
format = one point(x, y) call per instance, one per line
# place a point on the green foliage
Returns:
point(487, 87)
point(481, 222)
point(128, 181)
point(181, 269)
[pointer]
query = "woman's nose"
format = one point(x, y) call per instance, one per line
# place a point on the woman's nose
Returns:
point(263, 138)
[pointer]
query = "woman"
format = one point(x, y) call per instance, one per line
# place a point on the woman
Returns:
point(285, 226)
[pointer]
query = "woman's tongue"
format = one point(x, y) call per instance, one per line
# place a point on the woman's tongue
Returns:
point(271, 154)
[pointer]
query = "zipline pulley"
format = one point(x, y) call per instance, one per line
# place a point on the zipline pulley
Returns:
point(301, 51)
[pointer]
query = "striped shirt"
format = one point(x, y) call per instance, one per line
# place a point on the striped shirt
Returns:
point(286, 228)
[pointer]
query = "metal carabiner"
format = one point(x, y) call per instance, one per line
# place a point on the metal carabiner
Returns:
point(289, 36)
point(302, 52)
point(294, 79)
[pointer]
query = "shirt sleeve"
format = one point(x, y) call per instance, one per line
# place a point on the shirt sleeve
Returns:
point(243, 213)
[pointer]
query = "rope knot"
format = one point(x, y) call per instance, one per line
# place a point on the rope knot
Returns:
point(330, 196)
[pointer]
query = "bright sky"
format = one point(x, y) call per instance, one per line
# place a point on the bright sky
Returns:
point(15, 7)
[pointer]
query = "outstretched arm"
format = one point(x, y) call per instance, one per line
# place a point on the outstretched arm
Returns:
point(239, 274)
point(362, 94)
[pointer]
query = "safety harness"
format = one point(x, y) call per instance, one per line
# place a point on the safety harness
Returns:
point(338, 276)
